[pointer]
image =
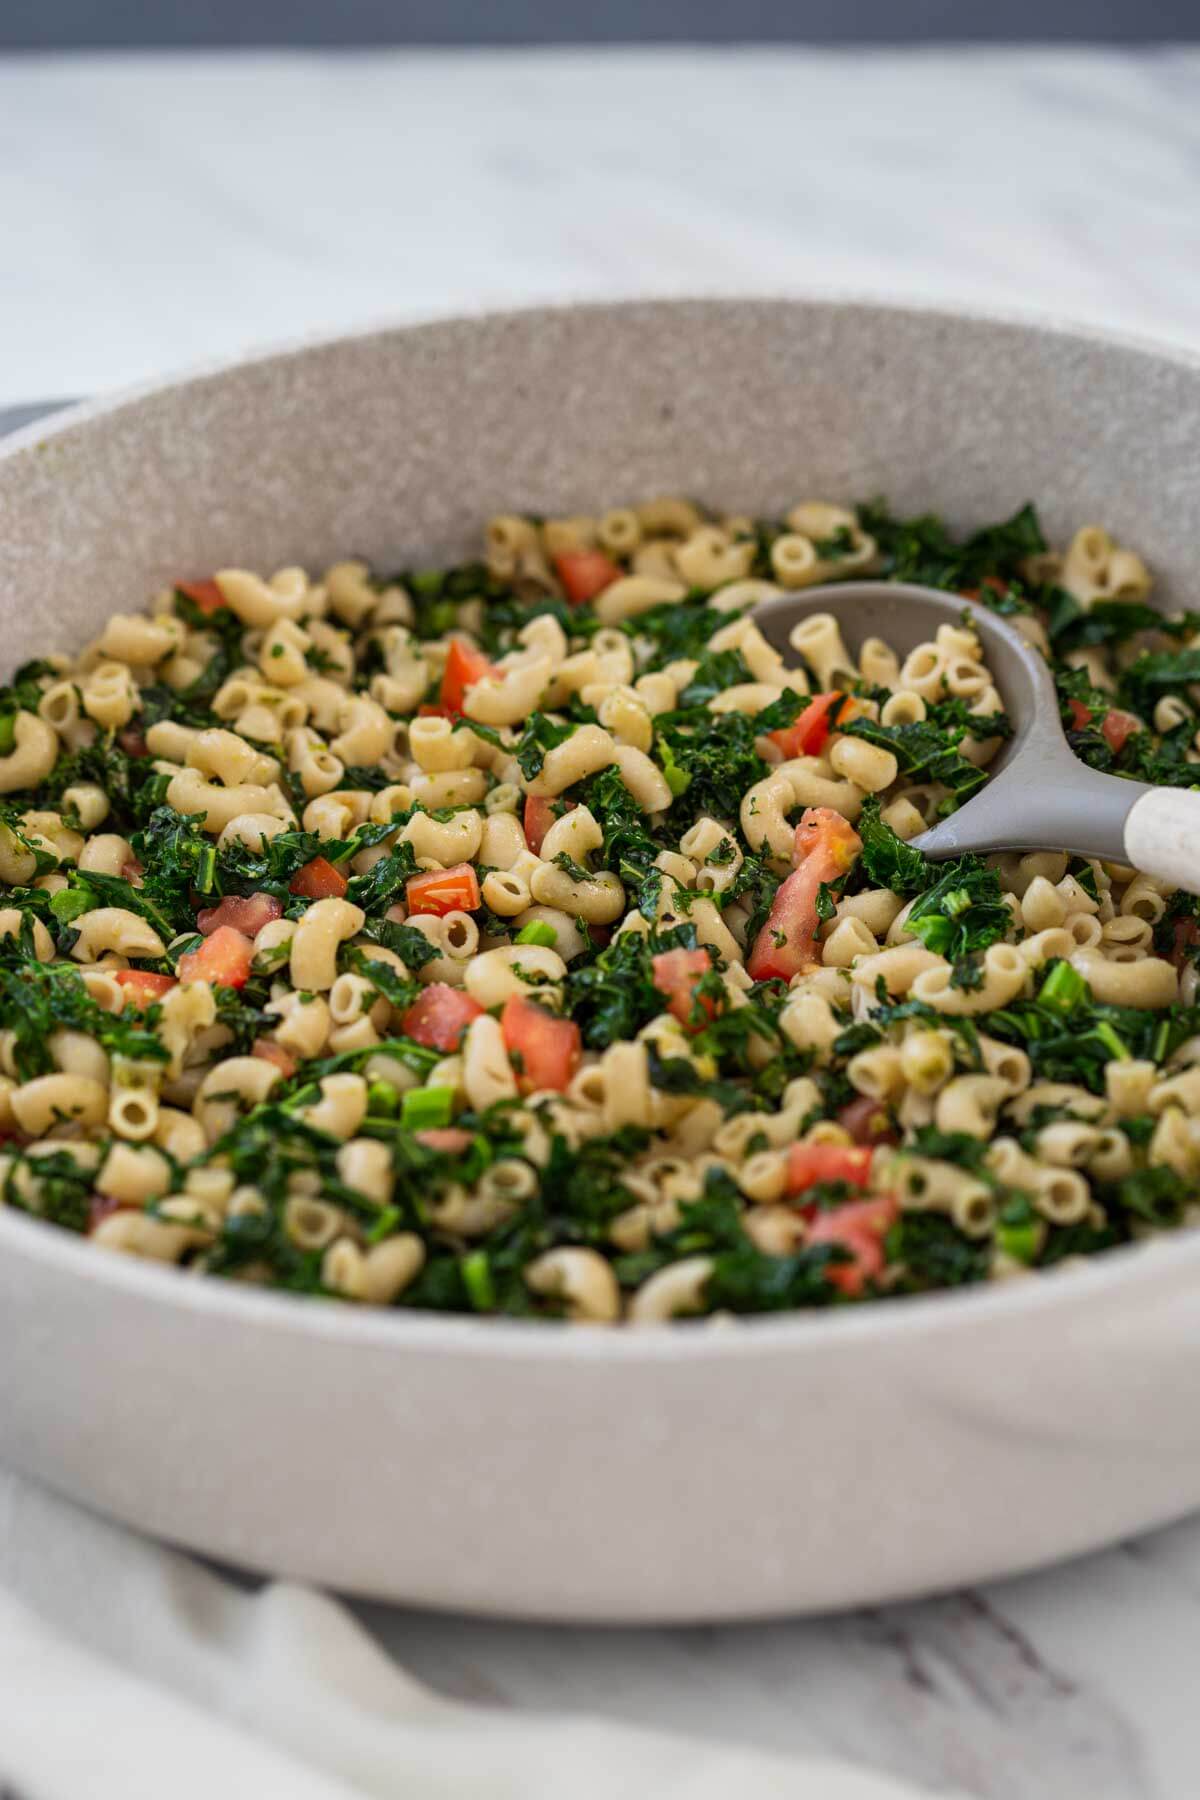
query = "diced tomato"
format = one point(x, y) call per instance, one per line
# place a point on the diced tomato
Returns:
point(867, 1122)
point(806, 735)
point(809, 1164)
point(101, 1207)
point(1185, 935)
point(271, 1052)
point(439, 1015)
point(676, 973)
point(1118, 726)
point(826, 846)
point(539, 817)
point(143, 987)
point(244, 913)
point(432, 712)
point(443, 890)
point(223, 958)
point(860, 1227)
point(204, 594)
point(318, 880)
point(585, 573)
point(132, 741)
point(465, 665)
point(451, 1140)
point(549, 1049)
point(989, 581)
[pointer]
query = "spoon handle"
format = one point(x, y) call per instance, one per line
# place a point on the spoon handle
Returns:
point(1053, 803)
point(1162, 836)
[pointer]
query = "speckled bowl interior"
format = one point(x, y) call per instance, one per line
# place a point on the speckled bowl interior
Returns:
point(397, 444)
point(678, 1473)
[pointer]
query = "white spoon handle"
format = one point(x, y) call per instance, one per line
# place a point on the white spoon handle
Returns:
point(1162, 837)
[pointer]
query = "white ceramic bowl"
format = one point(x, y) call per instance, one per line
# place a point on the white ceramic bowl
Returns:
point(680, 1473)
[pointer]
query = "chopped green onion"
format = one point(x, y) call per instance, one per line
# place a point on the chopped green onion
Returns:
point(1063, 988)
point(206, 869)
point(8, 733)
point(677, 779)
point(1021, 1242)
point(426, 581)
point(477, 1279)
point(427, 1107)
point(538, 931)
point(443, 616)
point(383, 1100)
point(1115, 1045)
point(384, 1225)
point(1020, 1233)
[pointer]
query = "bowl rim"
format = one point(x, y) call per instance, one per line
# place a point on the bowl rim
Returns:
point(522, 1340)
point(952, 312)
point(1126, 1267)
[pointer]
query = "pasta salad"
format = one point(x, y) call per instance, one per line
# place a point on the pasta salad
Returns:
point(531, 937)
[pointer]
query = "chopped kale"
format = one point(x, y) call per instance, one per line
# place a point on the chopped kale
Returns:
point(886, 859)
point(541, 733)
point(934, 1253)
point(922, 550)
point(925, 751)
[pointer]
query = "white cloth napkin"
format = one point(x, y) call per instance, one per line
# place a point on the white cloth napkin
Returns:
point(129, 1670)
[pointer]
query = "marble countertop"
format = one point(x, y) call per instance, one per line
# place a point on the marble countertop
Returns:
point(161, 211)
point(158, 212)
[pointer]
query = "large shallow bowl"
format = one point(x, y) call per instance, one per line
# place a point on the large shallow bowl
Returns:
point(680, 1473)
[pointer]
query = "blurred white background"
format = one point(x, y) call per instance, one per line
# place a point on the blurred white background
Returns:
point(159, 211)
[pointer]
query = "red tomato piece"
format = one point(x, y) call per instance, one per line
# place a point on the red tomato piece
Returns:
point(244, 913)
point(101, 1207)
point(318, 880)
point(826, 846)
point(867, 1122)
point(809, 1164)
point(465, 665)
point(269, 1051)
point(676, 973)
point(1184, 936)
point(549, 1048)
point(439, 1015)
point(539, 817)
point(806, 735)
point(223, 959)
point(443, 890)
point(585, 573)
point(451, 1140)
point(1081, 715)
point(132, 741)
point(1118, 726)
point(204, 594)
point(989, 581)
point(143, 987)
point(860, 1227)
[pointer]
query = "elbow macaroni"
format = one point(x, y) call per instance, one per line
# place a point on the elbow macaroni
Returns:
point(422, 944)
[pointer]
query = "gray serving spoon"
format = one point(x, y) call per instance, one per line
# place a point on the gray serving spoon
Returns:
point(1040, 796)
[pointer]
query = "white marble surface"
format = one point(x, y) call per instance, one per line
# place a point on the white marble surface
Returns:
point(156, 213)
